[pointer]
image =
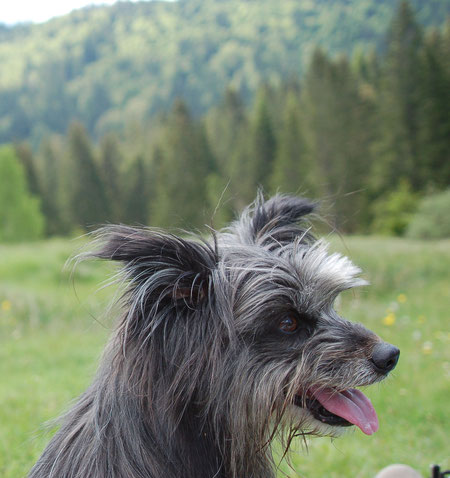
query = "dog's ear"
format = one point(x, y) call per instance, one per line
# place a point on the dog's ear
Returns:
point(276, 220)
point(165, 265)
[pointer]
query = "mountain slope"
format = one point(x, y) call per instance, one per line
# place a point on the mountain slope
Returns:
point(108, 65)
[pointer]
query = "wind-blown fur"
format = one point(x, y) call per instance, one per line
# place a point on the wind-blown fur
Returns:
point(197, 378)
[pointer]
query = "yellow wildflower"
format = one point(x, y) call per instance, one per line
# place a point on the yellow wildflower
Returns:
point(401, 298)
point(389, 319)
point(6, 305)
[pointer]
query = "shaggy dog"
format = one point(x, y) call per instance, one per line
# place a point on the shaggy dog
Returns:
point(221, 347)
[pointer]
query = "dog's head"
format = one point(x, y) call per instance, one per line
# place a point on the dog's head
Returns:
point(241, 331)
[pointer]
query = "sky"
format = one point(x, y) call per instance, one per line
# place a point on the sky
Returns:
point(15, 11)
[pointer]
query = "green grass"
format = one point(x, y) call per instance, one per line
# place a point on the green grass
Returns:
point(52, 331)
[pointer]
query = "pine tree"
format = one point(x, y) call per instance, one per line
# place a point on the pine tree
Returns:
point(54, 200)
point(136, 200)
point(337, 129)
point(232, 187)
point(88, 200)
point(292, 172)
point(398, 148)
point(446, 46)
point(110, 162)
point(263, 140)
point(243, 185)
point(181, 193)
point(224, 125)
point(435, 117)
point(156, 161)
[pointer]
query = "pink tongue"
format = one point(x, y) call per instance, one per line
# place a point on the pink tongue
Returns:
point(352, 405)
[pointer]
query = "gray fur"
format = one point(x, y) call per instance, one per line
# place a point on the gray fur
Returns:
point(197, 380)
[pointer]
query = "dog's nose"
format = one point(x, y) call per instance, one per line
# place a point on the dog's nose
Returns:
point(385, 357)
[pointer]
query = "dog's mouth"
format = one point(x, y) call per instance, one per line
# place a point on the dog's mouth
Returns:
point(340, 408)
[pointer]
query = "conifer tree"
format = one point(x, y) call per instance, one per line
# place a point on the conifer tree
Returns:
point(136, 199)
point(231, 187)
point(435, 115)
point(181, 193)
point(292, 172)
point(398, 147)
point(110, 162)
point(243, 185)
point(263, 140)
point(224, 125)
point(446, 46)
point(52, 184)
point(156, 161)
point(337, 132)
point(88, 201)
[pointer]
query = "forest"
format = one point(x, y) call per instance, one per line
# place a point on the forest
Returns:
point(368, 133)
point(108, 66)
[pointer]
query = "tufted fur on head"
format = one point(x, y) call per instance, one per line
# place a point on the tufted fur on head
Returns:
point(221, 347)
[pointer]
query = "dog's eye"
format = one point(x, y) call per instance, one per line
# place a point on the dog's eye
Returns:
point(288, 325)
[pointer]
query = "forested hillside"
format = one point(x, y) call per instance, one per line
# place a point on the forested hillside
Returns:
point(369, 134)
point(109, 66)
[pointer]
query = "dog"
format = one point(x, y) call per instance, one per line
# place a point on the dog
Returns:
point(222, 346)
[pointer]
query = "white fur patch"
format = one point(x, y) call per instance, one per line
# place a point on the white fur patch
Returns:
point(328, 274)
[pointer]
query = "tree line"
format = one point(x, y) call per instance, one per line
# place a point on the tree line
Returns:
point(370, 134)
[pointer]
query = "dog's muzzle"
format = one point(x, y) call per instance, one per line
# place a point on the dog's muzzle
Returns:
point(341, 408)
point(350, 407)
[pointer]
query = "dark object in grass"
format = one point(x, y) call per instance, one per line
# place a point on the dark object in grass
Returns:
point(437, 473)
point(221, 347)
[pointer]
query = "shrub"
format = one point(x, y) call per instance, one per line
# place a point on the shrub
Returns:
point(432, 220)
point(393, 213)
point(20, 216)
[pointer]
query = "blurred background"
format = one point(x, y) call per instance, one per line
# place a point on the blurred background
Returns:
point(173, 114)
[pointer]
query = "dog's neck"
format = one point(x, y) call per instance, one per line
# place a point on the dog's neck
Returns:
point(185, 441)
point(121, 427)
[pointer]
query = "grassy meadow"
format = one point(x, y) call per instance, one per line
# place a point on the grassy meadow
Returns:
point(53, 327)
